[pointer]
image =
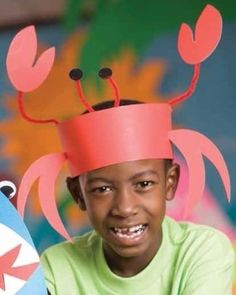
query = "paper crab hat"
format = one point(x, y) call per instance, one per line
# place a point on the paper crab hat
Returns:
point(100, 138)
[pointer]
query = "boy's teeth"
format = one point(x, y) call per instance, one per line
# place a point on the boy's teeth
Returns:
point(129, 232)
point(129, 229)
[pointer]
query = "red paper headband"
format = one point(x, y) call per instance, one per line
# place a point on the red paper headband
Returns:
point(121, 133)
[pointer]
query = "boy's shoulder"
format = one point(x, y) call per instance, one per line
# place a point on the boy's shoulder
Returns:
point(86, 243)
point(202, 257)
point(179, 231)
point(196, 239)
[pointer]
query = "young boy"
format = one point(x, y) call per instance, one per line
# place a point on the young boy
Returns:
point(134, 248)
point(120, 159)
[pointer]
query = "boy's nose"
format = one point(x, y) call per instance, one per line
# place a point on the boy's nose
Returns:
point(125, 204)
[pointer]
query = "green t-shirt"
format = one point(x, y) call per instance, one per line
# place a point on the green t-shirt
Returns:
point(192, 260)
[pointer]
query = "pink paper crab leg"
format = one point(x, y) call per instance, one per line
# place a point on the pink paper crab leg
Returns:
point(46, 169)
point(26, 73)
point(194, 146)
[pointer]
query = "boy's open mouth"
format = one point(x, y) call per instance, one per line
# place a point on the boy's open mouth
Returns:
point(129, 232)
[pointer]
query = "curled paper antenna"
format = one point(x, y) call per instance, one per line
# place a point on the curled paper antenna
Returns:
point(76, 75)
point(194, 146)
point(82, 98)
point(46, 169)
point(27, 117)
point(190, 89)
point(106, 73)
point(195, 48)
point(116, 91)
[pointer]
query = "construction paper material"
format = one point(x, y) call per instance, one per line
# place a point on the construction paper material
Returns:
point(8, 184)
point(7, 267)
point(26, 73)
point(194, 146)
point(20, 272)
point(195, 47)
point(46, 169)
point(116, 135)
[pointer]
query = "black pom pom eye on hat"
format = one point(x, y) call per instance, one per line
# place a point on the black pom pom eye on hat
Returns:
point(76, 74)
point(8, 188)
point(105, 73)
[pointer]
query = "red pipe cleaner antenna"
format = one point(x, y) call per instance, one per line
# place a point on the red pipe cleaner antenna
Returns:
point(76, 74)
point(190, 89)
point(26, 117)
point(106, 73)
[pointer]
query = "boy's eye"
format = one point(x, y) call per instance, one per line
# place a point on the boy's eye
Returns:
point(101, 189)
point(144, 184)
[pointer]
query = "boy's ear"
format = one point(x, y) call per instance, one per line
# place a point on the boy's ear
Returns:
point(73, 186)
point(172, 179)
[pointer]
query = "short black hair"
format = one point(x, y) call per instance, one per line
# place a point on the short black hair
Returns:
point(110, 104)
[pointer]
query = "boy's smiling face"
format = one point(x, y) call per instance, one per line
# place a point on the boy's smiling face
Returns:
point(126, 204)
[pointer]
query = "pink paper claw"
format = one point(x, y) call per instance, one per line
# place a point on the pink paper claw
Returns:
point(26, 73)
point(196, 47)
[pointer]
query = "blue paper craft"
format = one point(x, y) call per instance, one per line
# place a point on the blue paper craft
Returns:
point(20, 271)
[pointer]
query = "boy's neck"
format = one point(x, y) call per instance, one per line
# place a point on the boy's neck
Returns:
point(128, 267)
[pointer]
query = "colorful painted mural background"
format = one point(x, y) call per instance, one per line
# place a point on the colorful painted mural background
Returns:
point(141, 49)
